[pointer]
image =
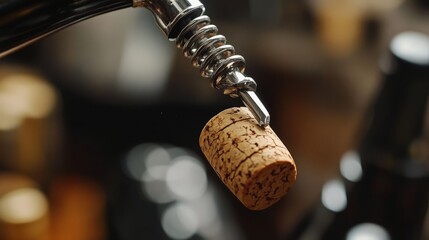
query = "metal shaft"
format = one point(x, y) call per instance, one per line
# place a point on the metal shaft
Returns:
point(251, 100)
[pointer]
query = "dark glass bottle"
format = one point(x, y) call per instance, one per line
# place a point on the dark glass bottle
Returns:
point(24, 21)
point(389, 199)
point(394, 188)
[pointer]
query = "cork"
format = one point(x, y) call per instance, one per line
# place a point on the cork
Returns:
point(250, 160)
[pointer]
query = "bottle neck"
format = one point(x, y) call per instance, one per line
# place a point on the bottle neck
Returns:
point(399, 112)
point(25, 21)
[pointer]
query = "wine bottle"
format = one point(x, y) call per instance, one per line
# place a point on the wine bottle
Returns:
point(394, 188)
point(384, 190)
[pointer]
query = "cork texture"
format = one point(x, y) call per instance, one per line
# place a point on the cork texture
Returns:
point(250, 160)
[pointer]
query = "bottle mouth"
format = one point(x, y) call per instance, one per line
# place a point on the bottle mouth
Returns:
point(412, 47)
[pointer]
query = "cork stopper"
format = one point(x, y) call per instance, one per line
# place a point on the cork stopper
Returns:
point(250, 160)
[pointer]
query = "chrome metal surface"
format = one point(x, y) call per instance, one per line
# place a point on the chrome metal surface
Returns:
point(138, 3)
point(255, 106)
point(208, 51)
point(172, 15)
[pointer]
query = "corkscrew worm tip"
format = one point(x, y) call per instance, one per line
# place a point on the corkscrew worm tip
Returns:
point(251, 100)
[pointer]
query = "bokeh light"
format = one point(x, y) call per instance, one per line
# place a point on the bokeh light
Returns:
point(351, 167)
point(180, 221)
point(412, 46)
point(175, 179)
point(186, 178)
point(144, 157)
point(23, 205)
point(334, 195)
point(367, 231)
point(24, 95)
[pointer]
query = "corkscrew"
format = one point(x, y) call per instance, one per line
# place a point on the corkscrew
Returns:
point(184, 22)
point(180, 20)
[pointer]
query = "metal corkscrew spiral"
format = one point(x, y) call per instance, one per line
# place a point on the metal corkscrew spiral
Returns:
point(184, 22)
point(217, 60)
point(209, 52)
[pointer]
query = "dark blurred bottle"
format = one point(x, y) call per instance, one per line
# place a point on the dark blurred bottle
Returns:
point(385, 195)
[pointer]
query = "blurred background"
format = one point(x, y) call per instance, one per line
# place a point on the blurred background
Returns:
point(99, 123)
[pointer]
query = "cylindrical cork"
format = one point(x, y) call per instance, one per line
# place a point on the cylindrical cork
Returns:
point(250, 160)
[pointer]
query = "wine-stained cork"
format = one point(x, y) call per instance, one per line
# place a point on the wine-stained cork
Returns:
point(250, 160)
